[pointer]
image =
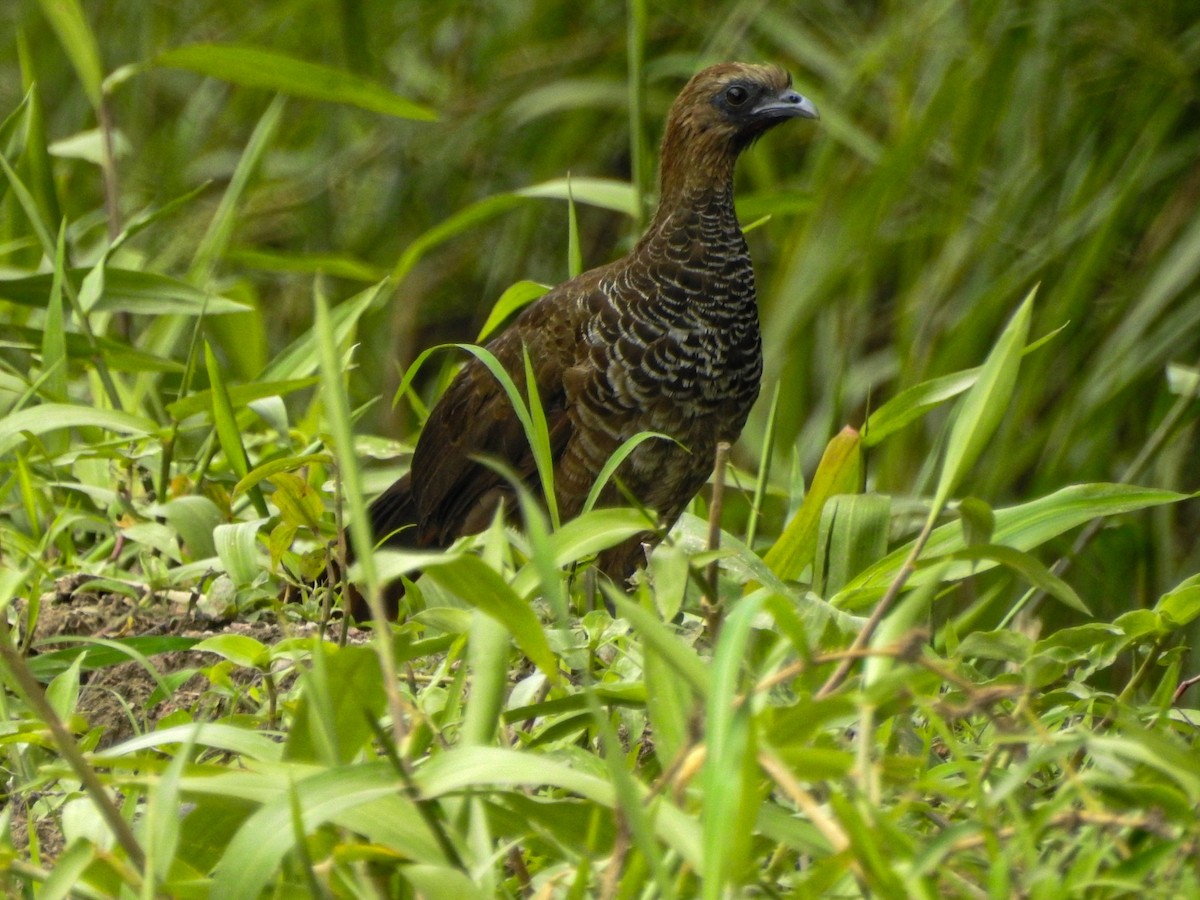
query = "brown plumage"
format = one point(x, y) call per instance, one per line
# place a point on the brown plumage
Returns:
point(665, 339)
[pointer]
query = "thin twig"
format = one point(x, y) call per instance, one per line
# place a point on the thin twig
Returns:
point(782, 776)
point(1183, 686)
point(881, 609)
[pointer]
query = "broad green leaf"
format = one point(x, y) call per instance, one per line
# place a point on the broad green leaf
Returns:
point(299, 359)
point(1022, 527)
point(1023, 564)
point(461, 221)
point(839, 472)
point(160, 825)
point(913, 402)
point(239, 649)
point(1183, 380)
point(358, 699)
point(33, 212)
point(487, 657)
point(217, 236)
point(89, 146)
point(470, 578)
point(258, 848)
point(299, 503)
point(63, 692)
point(477, 768)
point(853, 534)
point(277, 466)
point(245, 742)
point(659, 636)
point(117, 356)
point(48, 417)
point(335, 265)
point(1182, 605)
point(260, 68)
point(582, 537)
point(574, 254)
point(68, 870)
point(441, 881)
point(566, 95)
point(228, 433)
point(985, 404)
point(49, 663)
point(193, 518)
point(619, 196)
point(614, 462)
point(237, 548)
point(126, 290)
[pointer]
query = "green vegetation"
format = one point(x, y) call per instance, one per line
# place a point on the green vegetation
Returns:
point(947, 653)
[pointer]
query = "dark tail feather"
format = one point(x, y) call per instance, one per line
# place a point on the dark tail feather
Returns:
point(394, 515)
point(393, 523)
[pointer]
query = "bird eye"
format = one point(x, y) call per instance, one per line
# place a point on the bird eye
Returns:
point(736, 95)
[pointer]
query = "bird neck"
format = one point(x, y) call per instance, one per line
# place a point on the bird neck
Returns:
point(696, 175)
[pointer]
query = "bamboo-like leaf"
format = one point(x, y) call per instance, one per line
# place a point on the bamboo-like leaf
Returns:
point(473, 580)
point(658, 636)
point(260, 844)
point(193, 518)
point(480, 767)
point(839, 472)
point(75, 35)
point(39, 420)
point(220, 229)
point(1022, 563)
point(299, 359)
point(852, 535)
point(985, 404)
point(354, 677)
point(237, 547)
point(618, 196)
point(488, 655)
point(912, 403)
point(125, 290)
point(1022, 527)
point(261, 68)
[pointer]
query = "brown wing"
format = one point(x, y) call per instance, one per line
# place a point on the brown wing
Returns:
point(455, 494)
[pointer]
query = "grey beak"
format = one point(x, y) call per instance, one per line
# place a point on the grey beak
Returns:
point(787, 104)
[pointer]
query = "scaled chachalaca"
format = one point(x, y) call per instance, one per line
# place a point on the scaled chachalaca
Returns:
point(665, 339)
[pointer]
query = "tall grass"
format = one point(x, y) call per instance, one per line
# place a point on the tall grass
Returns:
point(951, 656)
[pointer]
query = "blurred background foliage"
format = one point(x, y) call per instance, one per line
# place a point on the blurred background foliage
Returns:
point(966, 152)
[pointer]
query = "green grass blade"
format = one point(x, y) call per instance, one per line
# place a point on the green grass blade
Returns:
point(511, 301)
point(75, 35)
point(228, 433)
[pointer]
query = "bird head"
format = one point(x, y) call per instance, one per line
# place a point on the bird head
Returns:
point(737, 102)
point(720, 112)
